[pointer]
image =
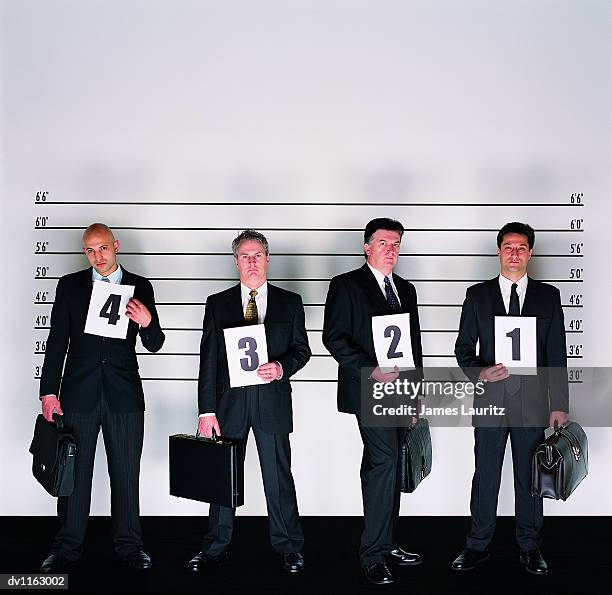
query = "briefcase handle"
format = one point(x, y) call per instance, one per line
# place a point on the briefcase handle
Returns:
point(59, 422)
point(213, 438)
point(574, 444)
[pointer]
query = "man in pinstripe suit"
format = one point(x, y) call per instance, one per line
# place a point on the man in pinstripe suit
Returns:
point(100, 388)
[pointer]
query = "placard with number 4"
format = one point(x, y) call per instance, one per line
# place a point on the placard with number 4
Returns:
point(106, 316)
point(391, 334)
point(246, 350)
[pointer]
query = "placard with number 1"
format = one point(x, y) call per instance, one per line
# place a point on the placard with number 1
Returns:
point(515, 343)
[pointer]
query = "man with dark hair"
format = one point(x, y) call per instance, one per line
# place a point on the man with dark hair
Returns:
point(530, 402)
point(520, 228)
point(264, 408)
point(100, 388)
point(352, 300)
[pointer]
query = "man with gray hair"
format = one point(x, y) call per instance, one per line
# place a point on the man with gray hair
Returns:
point(264, 408)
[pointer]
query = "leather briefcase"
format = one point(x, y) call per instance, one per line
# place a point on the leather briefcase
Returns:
point(415, 456)
point(561, 463)
point(207, 469)
point(54, 449)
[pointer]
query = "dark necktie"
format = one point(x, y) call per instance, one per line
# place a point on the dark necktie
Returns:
point(105, 279)
point(251, 316)
point(513, 383)
point(514, 309)
point(391, 297)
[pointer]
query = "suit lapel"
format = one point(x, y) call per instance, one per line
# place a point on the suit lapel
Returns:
point(235, 314)
point(404, 297)
point(372, 290)
point(126, 277)
point(274, 305)
point(530, 299)
point(497, 302)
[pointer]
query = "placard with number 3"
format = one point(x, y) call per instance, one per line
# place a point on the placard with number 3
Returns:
point(391, 334)
point(106, 315)
point(246, 350)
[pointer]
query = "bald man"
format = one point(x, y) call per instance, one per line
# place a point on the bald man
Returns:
point(100, 389)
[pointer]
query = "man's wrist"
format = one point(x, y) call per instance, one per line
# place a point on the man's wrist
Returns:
point(206, 415)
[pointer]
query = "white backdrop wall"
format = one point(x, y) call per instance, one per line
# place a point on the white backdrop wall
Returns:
point(164, 118)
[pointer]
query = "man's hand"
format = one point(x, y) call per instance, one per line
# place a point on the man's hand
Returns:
point(381, 376)
point(206, 424)
point(138, 312)
point(415, 417)
point(558, 417)
point(494, 373)
point(49, 405)
point(269, 372)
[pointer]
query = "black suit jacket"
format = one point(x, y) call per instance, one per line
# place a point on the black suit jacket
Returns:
point(95, 363)
point(353, 298)
point(548, 391)
point(287, 343)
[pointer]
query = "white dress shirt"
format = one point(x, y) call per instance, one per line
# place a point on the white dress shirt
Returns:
point(380, 279)
point(505, 286)
point(261, 299)
point(115, 277)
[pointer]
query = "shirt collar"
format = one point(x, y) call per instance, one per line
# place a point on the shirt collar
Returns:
point(506, 284)
point(380, 278)
point(114, 277)
point(262, 291)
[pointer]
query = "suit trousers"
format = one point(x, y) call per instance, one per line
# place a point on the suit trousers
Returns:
point(274, 453)
point(123, 435)
point(380, 489)
point(489, 449)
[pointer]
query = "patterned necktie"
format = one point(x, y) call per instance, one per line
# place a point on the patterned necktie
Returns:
point(250, 316)
point(105, 279)
point(391, 297)
point(514, 308)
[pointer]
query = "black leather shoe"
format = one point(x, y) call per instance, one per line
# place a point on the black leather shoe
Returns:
point(293, 563)
point(377, 573)
point(203, 562)
point(54, 563)
point(399, 557)
point(534, 563)
point(138, 560)
point(468, 559)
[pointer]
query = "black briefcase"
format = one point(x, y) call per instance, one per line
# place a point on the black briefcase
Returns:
point(561, 463)
point(54, 449)
point(415, 456)
point(207, 469)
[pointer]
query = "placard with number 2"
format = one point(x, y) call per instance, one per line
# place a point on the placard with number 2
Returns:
point(391, 334)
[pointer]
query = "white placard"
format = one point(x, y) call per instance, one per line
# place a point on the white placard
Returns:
point(392, 342)
point(246, 349)
point(106, 315)
point(515, 343)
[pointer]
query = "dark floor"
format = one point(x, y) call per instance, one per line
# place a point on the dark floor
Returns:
point(578, 550)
